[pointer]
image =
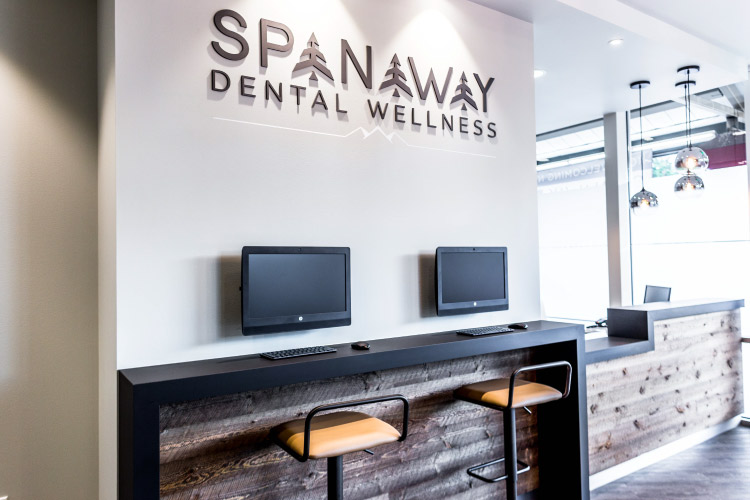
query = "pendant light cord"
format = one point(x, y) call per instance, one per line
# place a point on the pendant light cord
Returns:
point(640, 120)
point(688, 112)
point(687, 133)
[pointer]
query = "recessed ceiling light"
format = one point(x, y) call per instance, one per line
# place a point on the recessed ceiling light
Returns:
point(538, 73)
point(616, 42)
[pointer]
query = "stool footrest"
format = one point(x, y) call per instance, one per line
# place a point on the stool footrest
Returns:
point(522, 467)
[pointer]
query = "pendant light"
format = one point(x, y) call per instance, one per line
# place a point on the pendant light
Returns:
point(689, 186)
point(691, 158)
point(643, 202)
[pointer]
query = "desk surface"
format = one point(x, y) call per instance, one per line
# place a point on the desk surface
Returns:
point(198, 379)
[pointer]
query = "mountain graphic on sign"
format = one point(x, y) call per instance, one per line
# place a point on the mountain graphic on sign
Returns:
point(395, 77)
point(365, 134)
point(463, 93)
point(315, 61)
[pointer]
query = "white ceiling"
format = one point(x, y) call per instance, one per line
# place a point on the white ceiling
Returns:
point(586, 77)
point(721, 22)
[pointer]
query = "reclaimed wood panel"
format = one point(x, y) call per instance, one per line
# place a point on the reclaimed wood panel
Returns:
point(691, 381)
point(218, 448)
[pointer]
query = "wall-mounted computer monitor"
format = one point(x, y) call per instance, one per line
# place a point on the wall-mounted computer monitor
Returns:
point(295, 288)
point(471, 279)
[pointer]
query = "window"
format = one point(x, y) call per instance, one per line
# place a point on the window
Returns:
point(573, 224)
point(697, 246)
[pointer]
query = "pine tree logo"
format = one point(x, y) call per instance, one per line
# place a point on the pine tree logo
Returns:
point(394, 76)
point(315, 61)
point(463, 93)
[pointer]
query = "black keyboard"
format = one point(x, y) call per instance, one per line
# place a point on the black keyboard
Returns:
point(484, 330)
point(293, 353)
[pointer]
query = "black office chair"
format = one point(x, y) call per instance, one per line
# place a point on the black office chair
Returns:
point(657, 294)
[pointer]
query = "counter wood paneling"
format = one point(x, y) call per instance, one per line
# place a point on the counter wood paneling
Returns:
point(211, 447)
point(692, 380)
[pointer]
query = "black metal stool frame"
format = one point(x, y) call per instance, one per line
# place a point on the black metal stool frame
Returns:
point(336, 464)
point(509, 431)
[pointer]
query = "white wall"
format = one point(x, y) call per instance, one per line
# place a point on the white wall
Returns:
point(193, 189)
point(185, 188)
point(48, 256)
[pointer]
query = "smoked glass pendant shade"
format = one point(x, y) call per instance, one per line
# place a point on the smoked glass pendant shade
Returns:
point(692, 159)
point(643, 202)
point(689, 186)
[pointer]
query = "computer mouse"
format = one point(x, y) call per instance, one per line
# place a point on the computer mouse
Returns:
point(361, 346)
point(518, 326)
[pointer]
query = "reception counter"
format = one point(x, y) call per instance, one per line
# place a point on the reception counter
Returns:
point(630, 329)
point(668, 371)
point(200, 428)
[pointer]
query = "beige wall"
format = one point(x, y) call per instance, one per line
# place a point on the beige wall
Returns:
point(48, 250)
point(107, 282)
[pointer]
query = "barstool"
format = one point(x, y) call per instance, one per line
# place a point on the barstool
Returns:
point(506, 395)
point(335, 434)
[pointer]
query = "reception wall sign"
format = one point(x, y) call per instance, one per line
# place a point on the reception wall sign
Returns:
point(399, 96)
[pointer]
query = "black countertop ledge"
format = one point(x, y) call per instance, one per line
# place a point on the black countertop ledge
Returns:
point(630, 329)
point(185, 381)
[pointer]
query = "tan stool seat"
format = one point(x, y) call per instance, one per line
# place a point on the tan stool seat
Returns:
point(334, 434)
point(495, 393)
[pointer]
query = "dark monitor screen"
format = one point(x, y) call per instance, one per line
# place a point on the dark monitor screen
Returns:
point(294, 288)
point(473, 276)
point(287, 284)
point(471, 279)
point(657, 294)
